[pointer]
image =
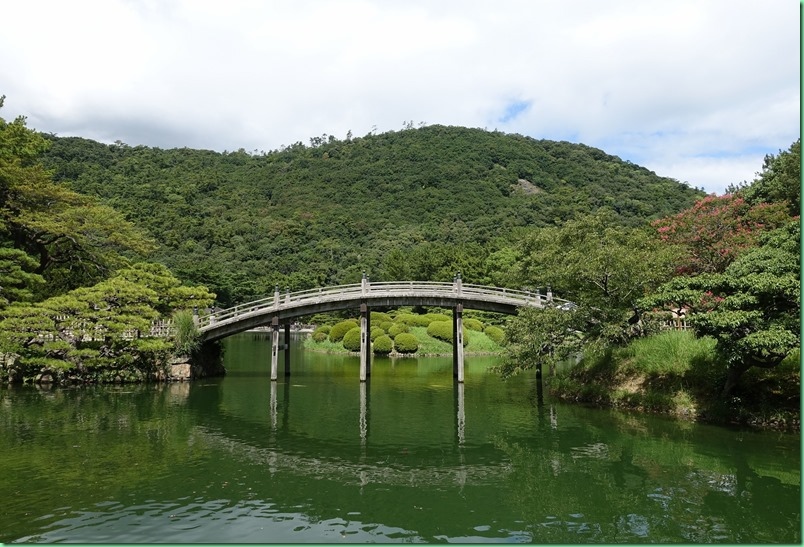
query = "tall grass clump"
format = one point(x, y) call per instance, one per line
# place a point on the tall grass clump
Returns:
point(186, 336)
point(669, 352)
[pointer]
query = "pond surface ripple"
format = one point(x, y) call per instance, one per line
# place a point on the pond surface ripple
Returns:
point(407, 457)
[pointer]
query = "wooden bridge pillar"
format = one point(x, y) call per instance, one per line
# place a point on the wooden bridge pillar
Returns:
point(457, 342)
point(287, 349)
point(365, 342)
point(274, 348)
point(460, 413)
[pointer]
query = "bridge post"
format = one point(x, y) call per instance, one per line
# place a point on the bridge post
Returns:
point(458, 283)
point(460, 412)
point(276, 296)
point(457, 342)
point(287, 295)
point(287, 349)
point(365, 343)
point(274, 348)
point(549, 293)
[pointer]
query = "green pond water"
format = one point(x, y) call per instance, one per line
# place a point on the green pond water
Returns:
point(407, 457)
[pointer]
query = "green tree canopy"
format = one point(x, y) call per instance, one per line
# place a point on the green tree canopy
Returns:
point(74, 239)
point(595, 262)
point(779, 181)
point(752, 308)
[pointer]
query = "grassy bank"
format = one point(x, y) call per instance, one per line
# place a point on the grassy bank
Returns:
point(676, 374)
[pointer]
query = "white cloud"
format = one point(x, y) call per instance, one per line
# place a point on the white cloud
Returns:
point(693, 90)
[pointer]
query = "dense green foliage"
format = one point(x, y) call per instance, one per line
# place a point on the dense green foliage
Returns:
point(752, 309)
point(397, 328)
point(186, 336)
point(473, 324)
point(383, 345)
point(405, 342)
point(399, 205)
point(339, 329)
point(75, 295)
point(443, 331)
point(496, 334)
point(351, 340)
point(434, 339)
point(778, 182)
point(378, 317)
point(729, 265)
point(105, 325)
point(672, 372)
point(67, 238)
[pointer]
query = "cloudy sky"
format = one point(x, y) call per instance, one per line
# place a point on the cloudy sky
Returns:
point(697, 90)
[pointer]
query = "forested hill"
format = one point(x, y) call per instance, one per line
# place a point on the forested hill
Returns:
point(418, 203)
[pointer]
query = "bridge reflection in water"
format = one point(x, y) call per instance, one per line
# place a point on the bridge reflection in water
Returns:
point(365, 411)
point(277, 311)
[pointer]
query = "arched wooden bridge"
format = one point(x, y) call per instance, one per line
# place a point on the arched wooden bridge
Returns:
point(281, 310)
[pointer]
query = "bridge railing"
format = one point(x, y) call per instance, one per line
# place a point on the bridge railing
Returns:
point(282, 300)
point(346, 292)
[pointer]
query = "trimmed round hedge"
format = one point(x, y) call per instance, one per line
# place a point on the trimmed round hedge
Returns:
point(339, 329)
point(430, 317)
point(473, 324)
point(443, 331)
point(324, 328)
point(496, 334)
point(406, 318)
point(385, 325)
point(376, 332)
point(405, 342)
point(351, 340)
point(383, 345)
point(319, 336)
point(378, 317)
point(397, 328)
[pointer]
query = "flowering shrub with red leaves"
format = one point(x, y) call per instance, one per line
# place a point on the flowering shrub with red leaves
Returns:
point(717, 230)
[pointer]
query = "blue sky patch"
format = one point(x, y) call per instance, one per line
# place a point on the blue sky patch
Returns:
point(513, 110)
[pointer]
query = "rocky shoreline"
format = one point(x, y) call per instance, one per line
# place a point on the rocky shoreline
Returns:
point(174, 369)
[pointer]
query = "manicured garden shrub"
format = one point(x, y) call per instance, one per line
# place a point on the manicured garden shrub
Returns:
point(339, 329)
point(397, 328)
point(383, 345)
point(496, 334)
point(406, 318)
point(405, 342)
point(428, 318)
point(378, 317)
point(319, 336)
point(375, 332)
point(385, 325)
point(324, 328)
point(443, 331)
point(351, 340)
point(473, 324)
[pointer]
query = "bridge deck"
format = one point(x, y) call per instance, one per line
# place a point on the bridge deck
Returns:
point(376, 294)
